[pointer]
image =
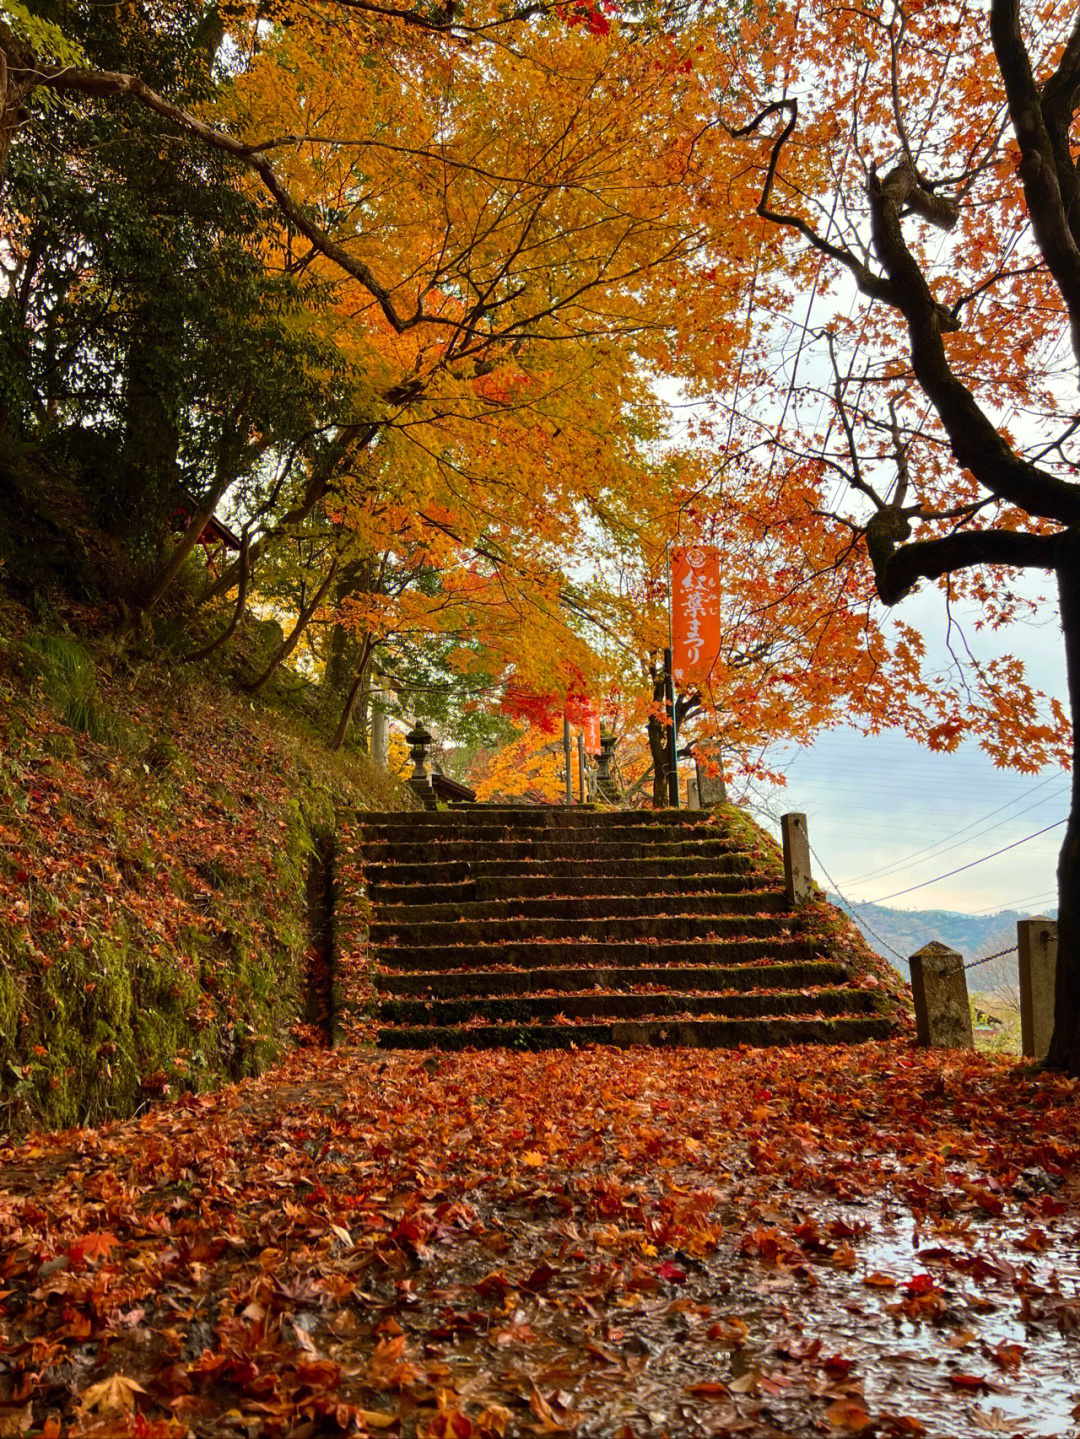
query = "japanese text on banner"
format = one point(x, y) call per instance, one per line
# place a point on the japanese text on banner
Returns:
point(592, 732)
point(695, 611)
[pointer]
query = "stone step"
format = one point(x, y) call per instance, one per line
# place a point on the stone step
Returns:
point(604, 906)
point(536, 816)
point(561, 954)
point(666, 1033)
point(457, 869)
point(808, 974)
point(496, 833)
point(498, 888)
point(542, 850)
point(543, 927)
point(547, 1008)
point(616, 930)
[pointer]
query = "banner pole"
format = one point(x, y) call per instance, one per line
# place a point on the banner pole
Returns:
point(669, 686)
point(566, 756)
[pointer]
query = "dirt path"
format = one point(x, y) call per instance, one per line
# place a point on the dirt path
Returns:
point(618, 1243)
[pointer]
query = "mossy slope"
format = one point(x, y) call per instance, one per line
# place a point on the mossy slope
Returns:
point(155, 836)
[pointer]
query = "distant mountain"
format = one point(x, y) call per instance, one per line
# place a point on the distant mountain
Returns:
point(896, 934)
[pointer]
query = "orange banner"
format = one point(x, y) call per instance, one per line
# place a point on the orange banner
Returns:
point(695, 611)
point(592, 732)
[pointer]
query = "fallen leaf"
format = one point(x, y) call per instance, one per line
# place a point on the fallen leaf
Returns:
point(115, 1394)
point(848, 1415)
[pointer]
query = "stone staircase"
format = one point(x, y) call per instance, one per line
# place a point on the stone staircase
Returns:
point(548, 927)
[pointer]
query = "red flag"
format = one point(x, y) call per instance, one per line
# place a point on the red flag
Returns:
point(695, 611)
point(592, 732)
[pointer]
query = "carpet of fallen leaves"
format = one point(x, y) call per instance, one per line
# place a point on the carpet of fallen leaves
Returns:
point(876, 1240)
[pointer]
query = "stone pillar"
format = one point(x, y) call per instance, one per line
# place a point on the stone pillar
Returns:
point(939, 988)
point(797, 878)
point(710, 788)
point(693, 799)
point(1036, 943)
point(379, 747)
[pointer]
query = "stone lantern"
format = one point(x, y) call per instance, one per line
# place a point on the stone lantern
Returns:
point(419, 742)
point(606, 787)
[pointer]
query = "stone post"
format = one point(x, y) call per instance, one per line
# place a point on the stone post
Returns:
point(1036, 943)
point(710, 788)
point(939, 988)
point(606, 789)
point(797, 879)
point(380, 732)
point(693, 800)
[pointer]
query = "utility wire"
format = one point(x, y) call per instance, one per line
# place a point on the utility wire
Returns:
point(851, 909)
point(964, 829)
point(943, 847)
point(948, 875)
point(1017, 904)
point(860, 923)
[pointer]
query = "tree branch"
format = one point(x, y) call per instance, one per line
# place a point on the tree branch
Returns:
point(107, 82)
point(1040, 167)
point(930, 559)
point(976, 442)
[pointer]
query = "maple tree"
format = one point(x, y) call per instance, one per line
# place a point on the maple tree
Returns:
point(476, 307)
point(922, 425)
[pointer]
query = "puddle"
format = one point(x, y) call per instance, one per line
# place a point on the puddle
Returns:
point(963, 1329)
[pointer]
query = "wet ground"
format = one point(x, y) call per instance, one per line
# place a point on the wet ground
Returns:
point(604, 1243)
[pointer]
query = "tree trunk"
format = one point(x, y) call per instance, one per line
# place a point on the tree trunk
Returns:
point(144, 486)
point(18, 77)
point(354, 696)
point(173, 565)
point(287, 646)
point(241, 604)
point(1065, 1045)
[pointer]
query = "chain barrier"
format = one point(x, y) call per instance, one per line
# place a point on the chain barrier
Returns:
point(986, 958)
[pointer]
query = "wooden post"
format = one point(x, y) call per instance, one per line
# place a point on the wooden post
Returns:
point(797, 878)
point(939, 989)
point(1036, 944)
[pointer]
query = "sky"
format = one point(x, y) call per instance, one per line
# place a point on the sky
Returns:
point(889, 819)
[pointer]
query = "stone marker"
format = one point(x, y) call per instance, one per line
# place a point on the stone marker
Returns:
point(693, 800)
point(1036, 943)
point(797, 878)
point(710, 788)
point(939, 988)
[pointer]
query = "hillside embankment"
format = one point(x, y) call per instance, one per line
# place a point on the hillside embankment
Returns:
point(163, 880)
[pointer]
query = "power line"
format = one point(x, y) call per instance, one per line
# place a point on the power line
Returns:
point(1015, 904)
point(948, 875)
point(861, 923)
point(943, 847)
point(851, 909)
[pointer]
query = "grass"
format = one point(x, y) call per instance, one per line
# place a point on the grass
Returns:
point(995, 1020)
